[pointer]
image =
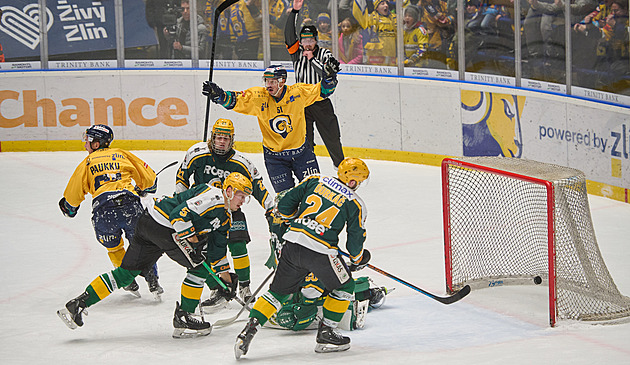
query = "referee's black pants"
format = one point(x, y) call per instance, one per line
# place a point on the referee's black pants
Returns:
point(323, 115)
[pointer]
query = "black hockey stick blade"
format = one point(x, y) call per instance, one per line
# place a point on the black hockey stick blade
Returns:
point(167, 166)
point(444, 300)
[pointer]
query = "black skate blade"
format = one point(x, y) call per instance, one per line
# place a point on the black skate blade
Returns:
point(211, 309)
point(65, 317)
point(329, 347)
point(238, 352)
point(135, 293)
point(188, 333)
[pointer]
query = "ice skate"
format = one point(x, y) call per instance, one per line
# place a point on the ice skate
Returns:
point(215, 301)
point(133, 288)
point(72, 313)
point(244, 292)
point(187, 326)
point(154, 286)
point(244, 339)
point(329, 340)
point(377, 296)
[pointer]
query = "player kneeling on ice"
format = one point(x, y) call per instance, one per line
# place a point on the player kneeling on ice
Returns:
point(319, 208)
point(304, 309)
point(187, 227)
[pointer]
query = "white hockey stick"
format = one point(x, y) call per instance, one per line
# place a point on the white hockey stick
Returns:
point(228, 321)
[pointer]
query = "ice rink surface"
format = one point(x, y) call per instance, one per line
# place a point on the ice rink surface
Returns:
point(48, 259)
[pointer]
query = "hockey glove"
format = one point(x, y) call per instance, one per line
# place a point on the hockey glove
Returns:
point(363, 263)
point(331, 68)
point(150, 190)
point(67, 209)
point(230, 292)
point(194, 252)
point(214, 92)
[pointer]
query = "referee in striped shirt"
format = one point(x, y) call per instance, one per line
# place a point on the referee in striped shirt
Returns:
point(308, 63)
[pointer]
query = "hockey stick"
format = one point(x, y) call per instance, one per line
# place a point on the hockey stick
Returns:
point(224, 5)
point(227, 321)
point(166, 167)
point(444, 300)
point(222, 284)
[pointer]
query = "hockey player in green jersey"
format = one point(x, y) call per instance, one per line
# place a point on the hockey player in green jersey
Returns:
point(303, 309)
point(210, 163)
point(318, 209)
point(280, 112)
point(191, 228)
point(107, 174)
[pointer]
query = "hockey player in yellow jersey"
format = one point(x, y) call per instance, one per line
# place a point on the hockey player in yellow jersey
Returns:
point(280, 112)
point(107, 174)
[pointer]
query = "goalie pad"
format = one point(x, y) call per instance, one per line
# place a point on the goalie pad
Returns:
point(297, 316)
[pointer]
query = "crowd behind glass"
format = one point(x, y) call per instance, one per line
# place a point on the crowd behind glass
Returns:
point(414, 34)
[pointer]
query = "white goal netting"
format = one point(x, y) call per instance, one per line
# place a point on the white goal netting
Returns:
point(508, 221)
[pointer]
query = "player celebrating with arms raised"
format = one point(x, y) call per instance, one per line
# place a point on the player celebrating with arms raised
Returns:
point(318, 209)
point(280, 112)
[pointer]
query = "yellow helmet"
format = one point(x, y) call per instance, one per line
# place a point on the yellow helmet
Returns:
point(238, 181)
point(352, 169)
point(224, 127)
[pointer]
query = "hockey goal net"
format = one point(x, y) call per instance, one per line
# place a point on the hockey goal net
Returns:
point(510, 221)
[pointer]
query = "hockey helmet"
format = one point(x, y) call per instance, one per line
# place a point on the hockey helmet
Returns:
point(238, 181)
point(275, 72)
point(308, 31)
point(224, 127)
point(99, 133)
point(352, 169)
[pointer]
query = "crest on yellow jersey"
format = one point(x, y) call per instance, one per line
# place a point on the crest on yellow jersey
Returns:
point(281, 124)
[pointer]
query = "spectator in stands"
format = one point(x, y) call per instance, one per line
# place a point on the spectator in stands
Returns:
point(595, 19)
point(586, 37)
point(415, 36)
point(379, 24)
point(544, 35)
point(157, 12)
point(350, 42)
point(614, 68)
point(181, 44)
point(278, 13)
point(325, 31)
point(224, 45)
point(246, 26)
point(488, 15)
point(439, 25)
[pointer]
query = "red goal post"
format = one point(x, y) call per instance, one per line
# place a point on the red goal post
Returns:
point(508, 221)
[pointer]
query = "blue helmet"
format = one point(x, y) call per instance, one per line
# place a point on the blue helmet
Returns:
point(99, 133)
point(275, 72)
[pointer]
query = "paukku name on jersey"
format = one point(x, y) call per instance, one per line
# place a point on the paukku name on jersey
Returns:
point(107, 166)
